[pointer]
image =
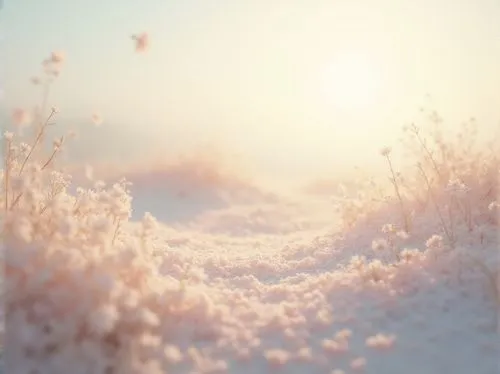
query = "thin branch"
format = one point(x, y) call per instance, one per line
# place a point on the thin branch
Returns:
point(39, 136)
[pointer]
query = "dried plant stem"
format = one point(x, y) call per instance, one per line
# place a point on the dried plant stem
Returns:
point(115, 234)
point(436, 205)
point(426, 149)
point(37, 139)
point(16, 200)
point(51, 158)
point(26, 159)
point(7, 174)
point(398, 194)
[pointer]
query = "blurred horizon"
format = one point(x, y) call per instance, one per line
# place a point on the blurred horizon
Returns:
point(292, 90)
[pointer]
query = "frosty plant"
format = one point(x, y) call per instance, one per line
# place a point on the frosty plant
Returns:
point(459, 198)
point(386, 152)
point(6, 177)
point(494, 208)
point(448, 231)
point(392, 235)
point(423, 144)
point(18, 157)
point(38, 139)
point(78, 292)
point(148, 226)
point(51, 69)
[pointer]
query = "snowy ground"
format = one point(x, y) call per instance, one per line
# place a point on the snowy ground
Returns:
point(237, 277)
point(267, 298)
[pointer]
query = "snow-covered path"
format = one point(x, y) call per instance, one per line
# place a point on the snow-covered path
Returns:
point(310, 306)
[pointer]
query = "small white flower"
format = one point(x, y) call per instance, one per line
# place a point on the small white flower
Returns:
point(24, 148)
point(494, 205)
point(435, 242)
point(457, 187)
point(358, 262)
point(388, 228)
point(385, 151)
point(58, 143)
point(57, 57)
point(407, 255)
point(99, 185)
point(7, 135)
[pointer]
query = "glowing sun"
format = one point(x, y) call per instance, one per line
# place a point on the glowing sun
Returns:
point(351, 81)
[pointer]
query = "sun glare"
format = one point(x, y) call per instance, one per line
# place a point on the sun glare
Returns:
point(351, 81)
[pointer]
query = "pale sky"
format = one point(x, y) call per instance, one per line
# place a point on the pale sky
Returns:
point(259, 78)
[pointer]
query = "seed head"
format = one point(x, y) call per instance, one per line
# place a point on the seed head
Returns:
point(385, 151)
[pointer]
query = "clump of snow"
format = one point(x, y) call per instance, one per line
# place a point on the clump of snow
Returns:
point(380, 341)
